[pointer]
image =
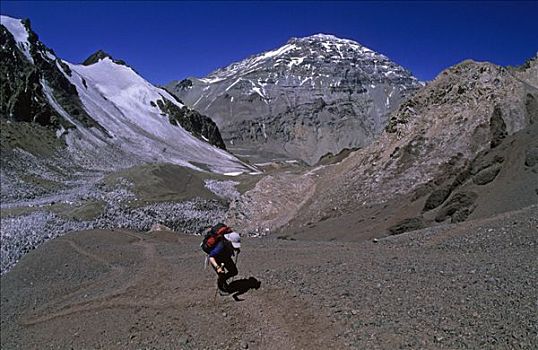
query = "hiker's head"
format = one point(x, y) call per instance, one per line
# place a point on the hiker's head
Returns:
point(234, 238)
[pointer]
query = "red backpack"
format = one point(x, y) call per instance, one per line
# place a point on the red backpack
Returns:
point(214, 236)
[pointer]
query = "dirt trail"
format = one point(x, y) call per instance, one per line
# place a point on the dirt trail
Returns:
point(460, 286)
point(165, 287)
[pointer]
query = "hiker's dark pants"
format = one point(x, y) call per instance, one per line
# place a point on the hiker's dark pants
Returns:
point(231, 270)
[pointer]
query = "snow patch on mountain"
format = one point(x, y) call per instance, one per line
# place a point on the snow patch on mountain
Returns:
point(274, 53)
point(19, 32)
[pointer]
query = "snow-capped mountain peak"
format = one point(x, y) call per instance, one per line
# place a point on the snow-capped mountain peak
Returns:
point(326, 43)
point(320, 37)
point(314, 56)
point(338, 78)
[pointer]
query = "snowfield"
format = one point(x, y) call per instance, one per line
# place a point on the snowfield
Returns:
point(125, 105)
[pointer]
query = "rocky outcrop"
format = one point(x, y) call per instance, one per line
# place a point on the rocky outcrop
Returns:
point(25, 73)
point(527, 72)
point(310, 97)
point(448, 132)
point(22, 98)
point(273, 202)
point(457, 149)
point(99, 55)
point(197, 124)
point(406, 225)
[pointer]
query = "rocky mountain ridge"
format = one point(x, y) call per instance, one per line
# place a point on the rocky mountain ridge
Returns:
point(464, 146)
point(26, 61)
point(104, 111)
point(313, 96)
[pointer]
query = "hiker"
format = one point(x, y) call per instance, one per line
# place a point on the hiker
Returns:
point(221, 243)
point(221, 258)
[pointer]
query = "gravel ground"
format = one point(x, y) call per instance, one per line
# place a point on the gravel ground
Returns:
point(470, 285)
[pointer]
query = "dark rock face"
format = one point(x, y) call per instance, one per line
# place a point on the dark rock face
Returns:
point(531, 156)
point(497, 127)
point(407, 225)
point(532, 108)
point(199, 125)
point(313, 96)
point(23, 98)
point(487, 175)
point(99, 55)
point(458, 207)
point(482, 170)
point(437, 198)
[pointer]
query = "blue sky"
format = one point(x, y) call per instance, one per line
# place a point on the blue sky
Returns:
point(170, 40)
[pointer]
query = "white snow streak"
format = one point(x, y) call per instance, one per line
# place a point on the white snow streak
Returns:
point(258, 91)
point(19, 32)
point(274, 53)
point(296, 61)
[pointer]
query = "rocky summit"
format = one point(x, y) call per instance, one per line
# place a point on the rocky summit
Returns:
point(313, 96)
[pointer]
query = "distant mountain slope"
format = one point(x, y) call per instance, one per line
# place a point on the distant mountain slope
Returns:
point(312, 96)
point(465, 146)
point(108, 116)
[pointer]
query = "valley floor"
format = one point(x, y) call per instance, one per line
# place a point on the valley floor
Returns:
point(471, 285)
